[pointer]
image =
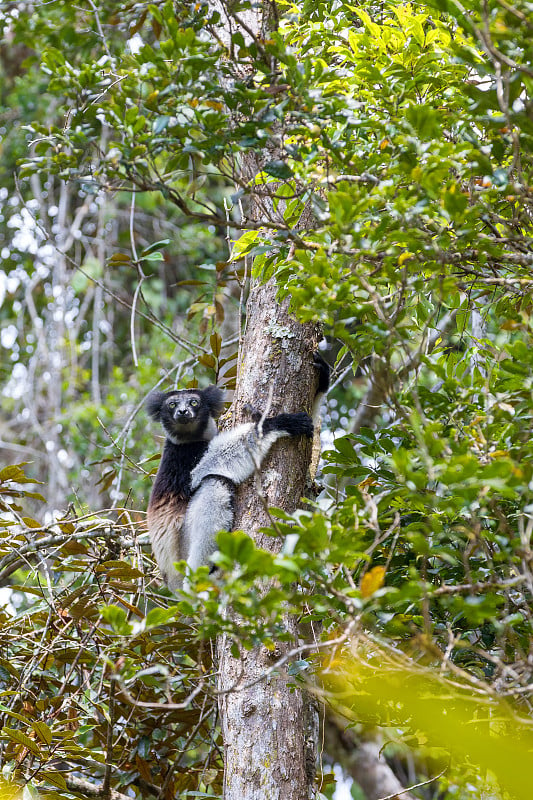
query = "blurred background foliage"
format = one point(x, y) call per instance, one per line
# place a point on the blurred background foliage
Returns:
point(396, 152)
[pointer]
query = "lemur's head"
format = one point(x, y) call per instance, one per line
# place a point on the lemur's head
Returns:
point(187, 415)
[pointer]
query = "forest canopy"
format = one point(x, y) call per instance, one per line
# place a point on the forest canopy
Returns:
point(370, 164)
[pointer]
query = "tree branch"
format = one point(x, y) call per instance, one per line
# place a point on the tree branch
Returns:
point(92, 790)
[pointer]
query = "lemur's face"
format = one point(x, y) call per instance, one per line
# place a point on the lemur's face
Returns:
point(187, 415)
point(184, 415)
point(182, 407)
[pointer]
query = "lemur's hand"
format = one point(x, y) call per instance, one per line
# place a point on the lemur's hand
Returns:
point(255, 415)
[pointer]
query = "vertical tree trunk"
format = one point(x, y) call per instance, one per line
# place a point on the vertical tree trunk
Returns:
point(270, 731)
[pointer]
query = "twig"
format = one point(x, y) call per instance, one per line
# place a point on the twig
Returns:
point(91, 790)
point(415, 785)
point(124, 693)
point(106, 783)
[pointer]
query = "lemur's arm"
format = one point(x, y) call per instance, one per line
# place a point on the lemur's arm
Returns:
point(238, 453)
point(231, 458)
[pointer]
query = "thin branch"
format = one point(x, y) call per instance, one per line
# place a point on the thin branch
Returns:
point(481, 586)
point(296, 651)
point(106, 784)
point(124, 693)
point(415, 785)
point(100, 30)
point(91, 789)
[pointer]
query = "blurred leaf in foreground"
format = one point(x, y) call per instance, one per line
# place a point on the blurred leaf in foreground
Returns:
point(374, 685)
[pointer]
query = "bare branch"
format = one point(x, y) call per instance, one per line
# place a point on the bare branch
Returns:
point(91, 790)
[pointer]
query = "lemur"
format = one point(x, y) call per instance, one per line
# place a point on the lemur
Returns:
point(193, 494)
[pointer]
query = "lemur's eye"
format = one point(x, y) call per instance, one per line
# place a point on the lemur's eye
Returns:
point(172, 404)
point(194, 402)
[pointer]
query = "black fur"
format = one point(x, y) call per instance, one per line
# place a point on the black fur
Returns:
point(174, 474)
point(323, 373)
point(185, 414)
point(214, 398)
point(299, 424)
point(154, 403)
point(187, 424)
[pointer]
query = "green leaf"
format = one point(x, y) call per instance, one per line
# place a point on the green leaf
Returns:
point(160, 124)
point(215, 341)
point(278, 169)
point(117, 618)
point(119, 258)
point(244, 244)
point(55, 778)
point(425, 119)
point(159, 616)
point(20, 738)
point(155, 246)
point(43, 731)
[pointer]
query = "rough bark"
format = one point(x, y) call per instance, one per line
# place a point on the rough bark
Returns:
point(269, 731)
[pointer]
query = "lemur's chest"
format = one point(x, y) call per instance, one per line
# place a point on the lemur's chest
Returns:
point(173, 478)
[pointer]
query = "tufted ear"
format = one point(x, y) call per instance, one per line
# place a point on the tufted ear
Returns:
point(213, 397)
point(154, 404)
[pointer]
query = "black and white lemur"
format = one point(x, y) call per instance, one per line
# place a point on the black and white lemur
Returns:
point(193, 494)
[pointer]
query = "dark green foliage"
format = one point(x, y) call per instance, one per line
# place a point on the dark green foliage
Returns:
point(407, 131)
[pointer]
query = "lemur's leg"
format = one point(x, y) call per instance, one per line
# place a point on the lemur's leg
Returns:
point(210, 510)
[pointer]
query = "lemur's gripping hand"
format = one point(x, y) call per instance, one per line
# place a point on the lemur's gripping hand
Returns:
point(254, 413)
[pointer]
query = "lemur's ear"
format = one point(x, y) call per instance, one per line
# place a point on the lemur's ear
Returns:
point(154, 404)
point(214, 400)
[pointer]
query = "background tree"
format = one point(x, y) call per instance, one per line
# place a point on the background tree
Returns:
point(386, 195)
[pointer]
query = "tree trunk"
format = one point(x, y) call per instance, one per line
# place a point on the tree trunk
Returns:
point(269, 731)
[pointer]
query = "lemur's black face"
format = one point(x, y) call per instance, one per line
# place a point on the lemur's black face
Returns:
point(184, 415)
point(187, 415)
